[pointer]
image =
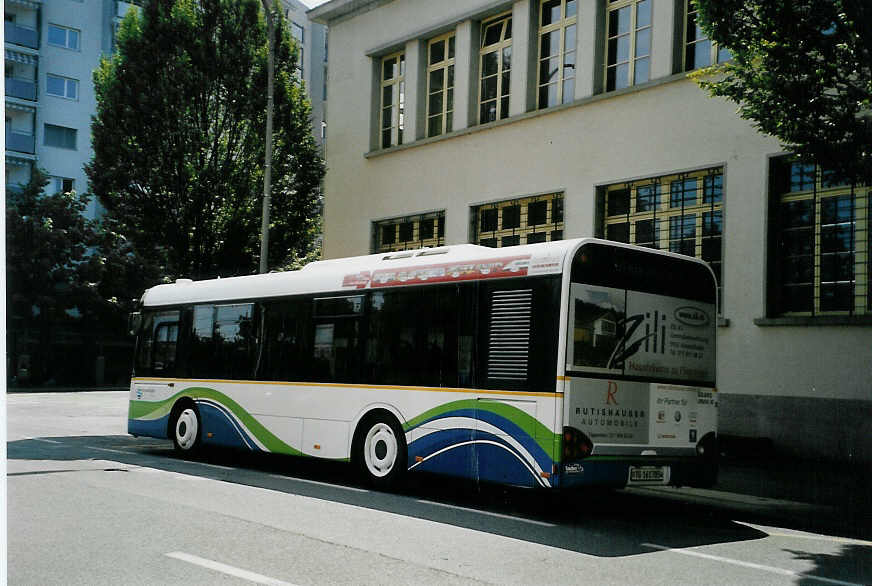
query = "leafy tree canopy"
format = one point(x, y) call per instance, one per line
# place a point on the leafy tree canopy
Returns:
point(802, 72)
point(47, 241)
point(179, 140)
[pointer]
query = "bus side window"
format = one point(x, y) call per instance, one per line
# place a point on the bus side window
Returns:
point(158, 344)
point(337, 345)
point(284, 355)
point(201, 359)
point(235, 341)
point(166, 337)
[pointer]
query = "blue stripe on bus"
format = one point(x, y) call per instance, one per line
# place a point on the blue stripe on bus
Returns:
point(225, 430)
point(150, 427)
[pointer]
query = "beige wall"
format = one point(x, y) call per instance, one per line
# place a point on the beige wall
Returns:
point(667, 126)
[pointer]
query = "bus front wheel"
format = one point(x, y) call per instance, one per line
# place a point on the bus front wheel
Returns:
point(186, 430)
point(380, 450)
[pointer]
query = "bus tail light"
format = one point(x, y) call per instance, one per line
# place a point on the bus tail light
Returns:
point(707, 447)
point(576, 445)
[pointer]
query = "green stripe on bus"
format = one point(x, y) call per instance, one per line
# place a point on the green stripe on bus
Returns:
point(150, 410)
point(543, 436)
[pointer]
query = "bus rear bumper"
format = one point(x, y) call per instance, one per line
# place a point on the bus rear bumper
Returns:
point(694, 471)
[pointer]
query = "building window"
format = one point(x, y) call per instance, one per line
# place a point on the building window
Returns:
point(63, 87)
point(699, 51)
point(526, 220)
point(557, 41)
point(682, 213)
point(409, 232)
point(297, 32)
point(440, 85)
point(60, 136)
point(61, 36)
point(62, 184)
point(496, 69)
point(628, 43)
point(820, 242)
point(393, 99)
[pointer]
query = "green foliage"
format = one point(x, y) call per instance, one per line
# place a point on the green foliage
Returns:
point(802, 72)
point(47, 241)
point(179, 141)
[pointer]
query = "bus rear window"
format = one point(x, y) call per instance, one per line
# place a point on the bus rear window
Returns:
point(641, 316)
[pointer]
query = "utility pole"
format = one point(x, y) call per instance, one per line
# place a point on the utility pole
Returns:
point(267, 167)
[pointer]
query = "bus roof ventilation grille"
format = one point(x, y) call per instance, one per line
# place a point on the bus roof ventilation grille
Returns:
point(509, 344)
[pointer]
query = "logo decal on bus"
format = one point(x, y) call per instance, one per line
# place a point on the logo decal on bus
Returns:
point(692, 316)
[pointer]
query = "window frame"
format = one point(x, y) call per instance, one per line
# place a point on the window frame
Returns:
point(417, 239)
point(447, 64)
point(502, 93)
point(398, 100)
point(68, 82)
point(75, 137)
point(502, 235)
point(66, 44)
point(669, 205)
point(715, 51)
point(564, 23)
point(614, 6)
point(814, 187)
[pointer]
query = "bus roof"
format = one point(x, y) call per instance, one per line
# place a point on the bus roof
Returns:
point(462, 262)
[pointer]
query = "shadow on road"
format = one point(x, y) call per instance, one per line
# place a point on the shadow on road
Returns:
point(600, 523)
point(852, 564)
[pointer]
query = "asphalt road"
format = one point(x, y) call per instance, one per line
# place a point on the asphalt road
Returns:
point(89, 504)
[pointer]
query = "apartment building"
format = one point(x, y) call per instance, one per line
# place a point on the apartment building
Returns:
point(502, 122)
point(52, 48)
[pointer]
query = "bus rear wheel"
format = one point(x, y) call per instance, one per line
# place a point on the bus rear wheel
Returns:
point(186, 430)
point(380, 451)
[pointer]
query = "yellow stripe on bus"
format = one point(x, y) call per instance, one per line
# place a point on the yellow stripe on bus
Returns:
point(348, 386)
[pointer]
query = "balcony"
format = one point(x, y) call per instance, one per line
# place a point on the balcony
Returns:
point(20, 142)
point(19, 35)
point(20, 88)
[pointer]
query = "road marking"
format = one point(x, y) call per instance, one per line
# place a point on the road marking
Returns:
point(327, 484)
point(489, 513)
point(772, 532)
point(771, 569)
point(109, 450)
point(225, 569)
point(212, 465)
point(39, 439)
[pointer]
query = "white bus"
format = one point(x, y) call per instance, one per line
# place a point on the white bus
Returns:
point(560, 364)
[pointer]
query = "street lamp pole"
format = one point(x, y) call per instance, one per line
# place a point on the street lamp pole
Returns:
point(267, 167)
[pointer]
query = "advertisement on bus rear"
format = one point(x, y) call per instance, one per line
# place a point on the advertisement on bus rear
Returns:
point(641, 335)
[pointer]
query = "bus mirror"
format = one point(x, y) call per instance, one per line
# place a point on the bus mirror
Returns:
point(134, 320)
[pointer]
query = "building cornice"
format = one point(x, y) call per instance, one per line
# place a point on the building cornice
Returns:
point(336, 10)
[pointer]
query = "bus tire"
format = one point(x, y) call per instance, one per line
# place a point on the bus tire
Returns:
point(379, 450)
point(186, 429)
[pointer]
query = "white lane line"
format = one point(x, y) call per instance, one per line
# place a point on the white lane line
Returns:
point(225, 569)
point(771, 569)
point(110, 450)
point(315, 482)
point(489, 513)
point(773, 532)
point(212, 465)
point(39, 439)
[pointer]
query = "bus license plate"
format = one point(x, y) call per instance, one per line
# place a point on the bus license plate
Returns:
point(649, 474)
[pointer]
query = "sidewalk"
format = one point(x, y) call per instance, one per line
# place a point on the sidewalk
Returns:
point(814, 495)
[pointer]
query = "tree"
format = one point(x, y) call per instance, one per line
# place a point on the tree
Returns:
point(179, 140)
point(802, 72)
point(48, 273)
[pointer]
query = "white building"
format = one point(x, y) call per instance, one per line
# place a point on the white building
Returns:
point(52, 48)
point(512, 121)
